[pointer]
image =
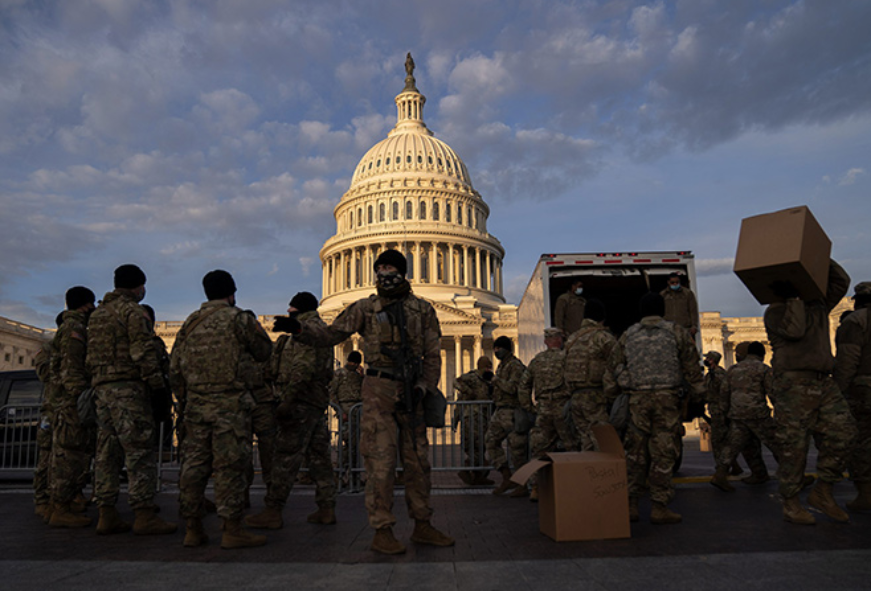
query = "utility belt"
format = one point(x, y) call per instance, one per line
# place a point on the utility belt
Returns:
point(384, 375)
point(805, 375)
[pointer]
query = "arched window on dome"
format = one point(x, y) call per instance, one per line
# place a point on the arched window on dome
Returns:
point(359, 216)
point(422, 210)
point(448, 211)
point(370, 214)
point(350, 220)
point(381, 212)
point(435, 211)
point(409, 211)
point(395, 209)
point(469, 216)
point(459, 214)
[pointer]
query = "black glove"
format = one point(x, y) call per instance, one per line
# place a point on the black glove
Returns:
point(784, 289)
point(286, 324)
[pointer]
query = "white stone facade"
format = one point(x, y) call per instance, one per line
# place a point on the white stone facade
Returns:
point(19, 344)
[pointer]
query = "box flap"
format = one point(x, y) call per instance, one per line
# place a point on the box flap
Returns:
point(609, 441)
point(525, 472)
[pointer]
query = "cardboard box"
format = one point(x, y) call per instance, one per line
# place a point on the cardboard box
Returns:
point(582, 495)
point(787, 245)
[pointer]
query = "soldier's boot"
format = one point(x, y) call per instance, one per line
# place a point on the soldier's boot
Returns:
point(235, 536)
point(110, 522)
point(793, 512)
point(386, 543)
point(147, 523)
point(662, 515)
point(62, 516)
point(862, 502)
point(633, 509)
point(269, 518)
point(808, 480)
point(209, 506)
point(480, 479)
point(425, 533)
point(506, 483)
point(79, 504)
point(519, 492)
point(756, 478)
point(821, 498)
point(465, 476)
point(533, 494)
point(325, 515)
point(735, 469)
point(194, 535)
point(47, 517)
point(42, 510)
point(720, 479)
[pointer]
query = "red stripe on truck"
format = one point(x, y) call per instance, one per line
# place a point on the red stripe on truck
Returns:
point(583, 262)
point(555, 263)
point(642, 261)
point(670, 260)
point(613, 262)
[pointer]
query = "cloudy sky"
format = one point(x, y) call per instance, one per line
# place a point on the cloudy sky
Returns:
point(191, 135)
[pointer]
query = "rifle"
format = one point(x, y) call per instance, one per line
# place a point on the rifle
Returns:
point(407, 366)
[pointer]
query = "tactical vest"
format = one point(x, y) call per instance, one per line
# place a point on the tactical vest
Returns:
point(382, 330)
point(211, 351)
point(651, 354)
point(108, 342)
point(278, 368)
point(585, 366)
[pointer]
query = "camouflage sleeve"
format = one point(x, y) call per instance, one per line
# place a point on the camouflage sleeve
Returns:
point(432, 357)
point(176, 378)
point(768, 383)
point(73, 375)
point(319, 334)
point(142, 350)
point(252, 335)
point(850, 338)
point(689, 359)
point(334, 388)
point(42, 363)
point(613, 367)
point(510, 378)
point(524, 388)
point(559, 313)
point(787, 320)
point(302, 370)
point(838, 285)
point(693, 305)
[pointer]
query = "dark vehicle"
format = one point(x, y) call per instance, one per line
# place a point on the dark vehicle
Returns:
point(20, 399)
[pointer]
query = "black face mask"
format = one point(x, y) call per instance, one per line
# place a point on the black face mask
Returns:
point(389, 280)
point(293, 314)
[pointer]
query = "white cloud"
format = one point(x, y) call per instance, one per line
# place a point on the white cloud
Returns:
point(709, 267)
point(850, 176)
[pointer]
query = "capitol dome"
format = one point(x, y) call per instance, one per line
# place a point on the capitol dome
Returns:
point(412, 192)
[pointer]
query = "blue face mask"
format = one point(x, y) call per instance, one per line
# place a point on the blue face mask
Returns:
point(579, 291)
point(674, 287)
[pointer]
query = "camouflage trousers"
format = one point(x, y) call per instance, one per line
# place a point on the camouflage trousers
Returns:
point(473, 429)
point(651, 443)
point(746, 437)
point(71, 455)
point(384, 432)
point(859, 462)
point(42, 472)
point(552, 425)
point(502, 428)
point(589, 407)
point(265, 427)
point(217, 442)
point(719, 432)
point(302, 435)
point(349, 452)
point(806, 407)
point(126, 437)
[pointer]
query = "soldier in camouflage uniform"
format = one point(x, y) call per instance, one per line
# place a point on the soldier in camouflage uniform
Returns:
point(807, 401)
point(71, 456)
point(207, 377)
point(650, 362)
point(380, 319)
point(748, 385)
point(545, 377)
point(123, 364)
point(302, 428)
point(474, 387)
point(263, 422)
point(853, 376)
point(346, 391)
point(161, 400)
point(569, 310)
point(680, 304)
point(42, 473)
point(587, 353)
point(505, 384)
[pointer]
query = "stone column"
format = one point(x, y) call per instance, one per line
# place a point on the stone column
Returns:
point(417, 278)
point(449, 265)
point(355, 343)
point(432, 271)
point(465, 265)
point(353, 267)
point(342, 271)
point(488, 268)
point(478, 339)
point(324, 292)
point(458, 355)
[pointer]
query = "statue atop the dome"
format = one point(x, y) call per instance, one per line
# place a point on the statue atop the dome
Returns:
point(409, 70)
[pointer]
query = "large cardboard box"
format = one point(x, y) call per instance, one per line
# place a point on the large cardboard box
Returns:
point(787, 245)
point(582, 495)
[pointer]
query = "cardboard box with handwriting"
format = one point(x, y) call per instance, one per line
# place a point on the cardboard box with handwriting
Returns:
point(582, 495)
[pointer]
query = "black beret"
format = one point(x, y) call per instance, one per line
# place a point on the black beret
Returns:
point(129, 276)
point(304, 302)
point(78, 296)
point(503, 342)
point(218, 285)
point(393, 258)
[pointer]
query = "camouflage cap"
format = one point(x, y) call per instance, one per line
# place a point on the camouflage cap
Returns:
point(863, 289)
point(552, 332)
point(713, 355)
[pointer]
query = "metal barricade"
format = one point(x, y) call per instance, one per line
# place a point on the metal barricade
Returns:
point(19, 425)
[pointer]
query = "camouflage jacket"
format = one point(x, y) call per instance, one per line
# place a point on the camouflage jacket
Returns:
point(206, 362)
point(472, 386)
point(568, 313)
point(120, 342)
point(253, 375)
point(853, 360)
point(587, 353)
point(681, 307)
point(747, 385)
point(799, 330)
point(506, 382)
point(346, 387)
point(71, 343)
point(44, 372)
point(309, 368)
point(545, 376)
point(372, 318)
point(622, 375)
point(715, 396)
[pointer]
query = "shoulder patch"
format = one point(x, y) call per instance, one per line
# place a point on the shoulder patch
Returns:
point(77, 335)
